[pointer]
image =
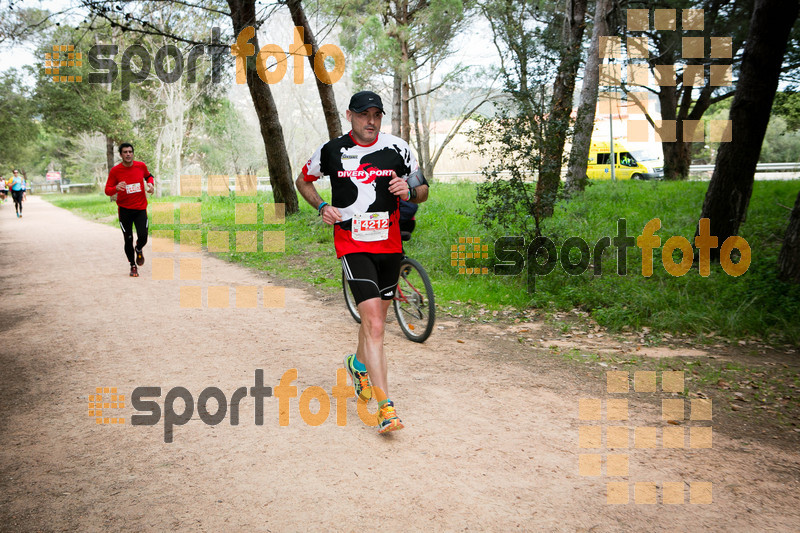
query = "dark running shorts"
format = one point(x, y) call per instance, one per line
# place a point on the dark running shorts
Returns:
point(372, 275)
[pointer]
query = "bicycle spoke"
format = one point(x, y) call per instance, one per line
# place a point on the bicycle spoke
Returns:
point(415, 312)
point(413, 303)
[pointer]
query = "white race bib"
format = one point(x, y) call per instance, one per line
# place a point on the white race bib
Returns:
point(133, 187)
point(371, 227)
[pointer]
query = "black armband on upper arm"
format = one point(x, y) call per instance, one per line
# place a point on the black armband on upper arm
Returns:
point(416, 179)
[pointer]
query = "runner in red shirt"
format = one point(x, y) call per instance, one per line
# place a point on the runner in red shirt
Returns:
point(129, 180)
point(370, 172)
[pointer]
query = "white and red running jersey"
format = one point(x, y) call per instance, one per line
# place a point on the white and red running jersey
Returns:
point(360, 178)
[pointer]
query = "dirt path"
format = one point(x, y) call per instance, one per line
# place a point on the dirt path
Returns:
point(491, 440)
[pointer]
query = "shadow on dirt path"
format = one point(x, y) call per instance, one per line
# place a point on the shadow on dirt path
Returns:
point(492, 438)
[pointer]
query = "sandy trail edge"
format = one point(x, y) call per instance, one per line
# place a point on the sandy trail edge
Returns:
point(491, 440)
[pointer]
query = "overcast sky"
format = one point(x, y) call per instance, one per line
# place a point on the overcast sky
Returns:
point(473, 47)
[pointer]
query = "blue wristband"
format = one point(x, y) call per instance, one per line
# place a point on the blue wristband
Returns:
point(319, 209)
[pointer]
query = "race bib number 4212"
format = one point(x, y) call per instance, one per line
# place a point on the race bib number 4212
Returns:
point(371, 227)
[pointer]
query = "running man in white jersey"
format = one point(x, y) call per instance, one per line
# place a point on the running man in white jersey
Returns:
point(370, 172)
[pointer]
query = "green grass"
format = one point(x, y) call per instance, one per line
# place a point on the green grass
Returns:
point(755, 304)
point(91, 206)
point(308, 242)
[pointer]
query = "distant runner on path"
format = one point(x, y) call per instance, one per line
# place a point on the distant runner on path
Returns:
point(128, 181)
point(17, 186)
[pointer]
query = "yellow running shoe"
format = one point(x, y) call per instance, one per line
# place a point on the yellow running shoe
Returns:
point(388, 419)
point(360, 379)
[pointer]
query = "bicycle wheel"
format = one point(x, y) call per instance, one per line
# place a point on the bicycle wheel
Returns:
point(414, 303)
point(349, 301)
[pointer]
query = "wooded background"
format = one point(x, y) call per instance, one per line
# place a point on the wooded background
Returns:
point(520, 112)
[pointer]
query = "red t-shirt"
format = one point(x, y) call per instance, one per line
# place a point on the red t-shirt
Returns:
point(134, 176)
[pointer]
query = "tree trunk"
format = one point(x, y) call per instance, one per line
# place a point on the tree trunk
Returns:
point(180, 133)
point(560, 108)
point(425, 143)
point(677, 154)
point(405, 114)
point(396, 103)
point(109, 152)
point(584, 122)
point(326, 95)
point(789, 258)
point(174, 187)
point(109, 140)
point(405, 118)
point(677, 158)
point(417, 132)
point(731, 184)
point(243, 14)
point(422, 132)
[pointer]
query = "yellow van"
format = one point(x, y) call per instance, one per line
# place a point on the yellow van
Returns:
point(627, 167)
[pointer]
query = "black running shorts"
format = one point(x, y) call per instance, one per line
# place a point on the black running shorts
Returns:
point(372, 275)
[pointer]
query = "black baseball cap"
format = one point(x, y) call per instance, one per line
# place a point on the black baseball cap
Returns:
point(364, 100)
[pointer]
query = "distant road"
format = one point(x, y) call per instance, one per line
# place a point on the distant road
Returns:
point(764, 171)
